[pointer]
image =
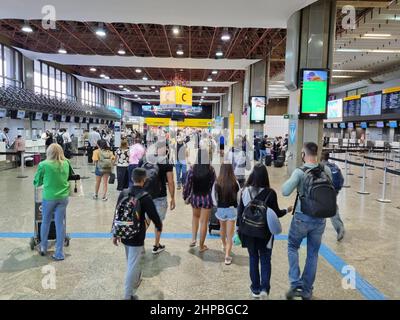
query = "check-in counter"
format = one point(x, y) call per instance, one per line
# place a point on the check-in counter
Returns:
point(2, 149)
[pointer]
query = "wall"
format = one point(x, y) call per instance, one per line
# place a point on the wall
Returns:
point(277, 107)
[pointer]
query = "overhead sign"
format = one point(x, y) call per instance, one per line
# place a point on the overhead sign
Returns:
point(176, 96)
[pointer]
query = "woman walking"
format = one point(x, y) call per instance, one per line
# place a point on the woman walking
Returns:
point(225, 197)
point(122, 160)
point(53, 175)
point(136, 153)
point(197, 192)
point(260, 249)
point(103, 159)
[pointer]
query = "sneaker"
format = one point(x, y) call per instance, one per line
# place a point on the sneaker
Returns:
point(255, 294)
point(134, 297)
point(264, 293)
point(56, 259)
point(158, 249)
point(340, 235)
point(294, 293)
point(104, 199)
point(179, 187)
point(95, 197)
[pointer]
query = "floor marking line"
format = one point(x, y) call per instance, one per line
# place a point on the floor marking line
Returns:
point(363, 286)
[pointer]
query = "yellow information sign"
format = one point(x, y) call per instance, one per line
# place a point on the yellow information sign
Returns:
point(391, 90)
point(176, 96)
point(165, 122)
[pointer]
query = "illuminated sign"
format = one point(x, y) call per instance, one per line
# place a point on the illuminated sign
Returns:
point(314, 93)
point(175, 96)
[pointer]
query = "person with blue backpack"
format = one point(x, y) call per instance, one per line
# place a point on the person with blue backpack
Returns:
point(338, 181)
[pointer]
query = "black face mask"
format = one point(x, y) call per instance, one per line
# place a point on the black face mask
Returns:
point(302, 157)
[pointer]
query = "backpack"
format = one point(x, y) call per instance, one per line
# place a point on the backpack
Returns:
point(105, 161)
point(60, 139)
point(127, 222)
point(153, 183)
point(254, 218)
point(337, 177)
point(319, 195)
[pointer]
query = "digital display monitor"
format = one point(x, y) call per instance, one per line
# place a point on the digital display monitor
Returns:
point(342, 125)
point(68, 119)
point(350, 125)
point(3, 113)
point(335, 109)
point(83, 120)
point(391, 101)
point(50, 117)
point(380, 124)
point(38, 115)
point(335, 126)
point(194, 112)
point(364, 125)
point(393, 124)
point(314, 93)
point(63, 118)
point(371, 104)
point(329, 125)
point(21, 114)
point(351, 106)
point(257, 109)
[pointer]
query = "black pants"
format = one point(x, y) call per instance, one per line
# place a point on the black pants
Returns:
point(90, 154)
point(122, 178)
point(18, 158)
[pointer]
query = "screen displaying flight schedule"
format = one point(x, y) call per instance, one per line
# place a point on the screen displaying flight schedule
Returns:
point(391, 101)
point(351, 108)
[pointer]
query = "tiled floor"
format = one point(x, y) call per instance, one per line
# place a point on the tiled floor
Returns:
point(94, 268)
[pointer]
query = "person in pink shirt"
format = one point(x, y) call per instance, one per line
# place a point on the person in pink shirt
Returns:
point(136, 153)
point(19, 148)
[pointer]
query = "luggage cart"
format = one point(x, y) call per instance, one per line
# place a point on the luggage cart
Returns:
point(35, 240)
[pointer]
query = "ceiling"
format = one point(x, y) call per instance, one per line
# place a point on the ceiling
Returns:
point(212, 13)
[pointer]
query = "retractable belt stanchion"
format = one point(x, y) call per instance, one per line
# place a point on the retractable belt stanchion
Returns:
point(21, 173)
point(345, 184)
point(384, 166)
point(349, 166)
point(364, 171)
point(370, 161)
point(383, 198)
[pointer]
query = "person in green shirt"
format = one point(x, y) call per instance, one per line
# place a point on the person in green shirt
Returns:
point(53, 175)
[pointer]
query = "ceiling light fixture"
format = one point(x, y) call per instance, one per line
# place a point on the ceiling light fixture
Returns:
point(214, 72)
point(175, 30)
point(100, 31)
point(138, 70)
point(204, 91)
point(102, 75)
point(157, 91)
point(121, 51)
point(179, 52)
point(27, 28)
point(93, 69)
point(209, 79)
point(379, 35)
point(121, 86)
point(136, 96)
point(342, 77)
point(107, 77)
point(153, 87)
point(350, 71)
point(226, 36)
point(145, 78)
point(219, 53)
point(368, 50)
point(62, 50)
point(205, 88)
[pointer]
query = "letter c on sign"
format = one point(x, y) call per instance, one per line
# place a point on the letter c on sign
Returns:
point(183, 97)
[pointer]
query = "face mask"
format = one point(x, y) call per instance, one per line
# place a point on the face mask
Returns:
point(302, 157)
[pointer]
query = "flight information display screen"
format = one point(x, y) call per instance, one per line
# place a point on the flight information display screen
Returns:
point(257, 111)
point(391, 101)
point(352, 107)
point(314, 93)
point(335, 109)
point(371, 104)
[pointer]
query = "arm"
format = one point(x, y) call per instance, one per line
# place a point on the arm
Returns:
point(171, 188)
point(214, 195)
point(38, 180)
point(273, 204)
point(290, 185)
point(187, 188)
point(151, 211)
point(240, 212)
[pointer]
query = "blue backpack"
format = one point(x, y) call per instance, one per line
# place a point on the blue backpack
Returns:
point(337, 177)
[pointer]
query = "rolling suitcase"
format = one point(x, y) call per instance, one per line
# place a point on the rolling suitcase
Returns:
point(279, 162)
point(213, 224)
point(268, 160)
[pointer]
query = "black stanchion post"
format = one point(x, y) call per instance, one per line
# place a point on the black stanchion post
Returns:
point(383, 198)
point(364, 171)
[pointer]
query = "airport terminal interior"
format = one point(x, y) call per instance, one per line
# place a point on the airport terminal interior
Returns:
point(254, 78)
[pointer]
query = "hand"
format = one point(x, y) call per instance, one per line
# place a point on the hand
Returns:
point(290, 209)
point(172, 204)
point(115, 240)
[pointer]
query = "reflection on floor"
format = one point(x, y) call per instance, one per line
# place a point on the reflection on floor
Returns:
point(94, 268)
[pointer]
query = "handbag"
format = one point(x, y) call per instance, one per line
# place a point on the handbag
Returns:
point(111, 179)
point(75, 185)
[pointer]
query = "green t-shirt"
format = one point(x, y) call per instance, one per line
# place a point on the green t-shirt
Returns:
point(54, 178)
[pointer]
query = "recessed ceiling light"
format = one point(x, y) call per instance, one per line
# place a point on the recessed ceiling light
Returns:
point(157, 91)
point(214, 72)
point(209, 79)
point(27, 28)
point(136, 96)
point(121, 51)
point(219, 53)
point(93, 69)
point(139, 98)
point(102, 75)
point(121, 86)
point(202, 97)
point(100, 32)
point(204, 91)
point(205, 88)
point(179, 52)
point(138, 70)
point(153, 87)
point(145, 78)
point(62, 50)
point(226, 37)
point(379, 35)
point(175, 30)
point(181, 70)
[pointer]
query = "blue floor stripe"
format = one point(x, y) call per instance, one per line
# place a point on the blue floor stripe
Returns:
point(363, 286)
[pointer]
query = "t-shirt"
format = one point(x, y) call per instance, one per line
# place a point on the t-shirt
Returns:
point(136, 153)
point(123, 158)
point(96, 155)
point(180, 152)
point(162, 174)
point(94, 136)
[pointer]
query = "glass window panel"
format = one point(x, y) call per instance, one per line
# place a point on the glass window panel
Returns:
point(64, 83)
point(8, 63)
point(45, 78)
point(52, 82)
point(1, 60)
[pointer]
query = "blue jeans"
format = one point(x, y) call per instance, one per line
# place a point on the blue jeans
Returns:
point(257, 256)
point(337, 222)
point(263, 154)
point(131, 167)
point(312, 229)
point(133, 270)
point(180, 172)
point(57, 208)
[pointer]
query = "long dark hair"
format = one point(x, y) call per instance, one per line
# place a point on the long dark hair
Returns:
point(202, 173)
point(227, 186)
point(258, 177)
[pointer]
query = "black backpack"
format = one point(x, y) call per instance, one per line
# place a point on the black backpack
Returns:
point(319, 195)
point(60, 139)
point(254, 218)
point(127, 222)
point(153, 183)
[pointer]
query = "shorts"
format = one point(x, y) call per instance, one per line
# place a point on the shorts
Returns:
point(161, 205)
point(97, 172)
point(226, 214)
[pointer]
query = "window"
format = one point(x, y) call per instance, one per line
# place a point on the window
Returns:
point(91, 95)
point(10, 67)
